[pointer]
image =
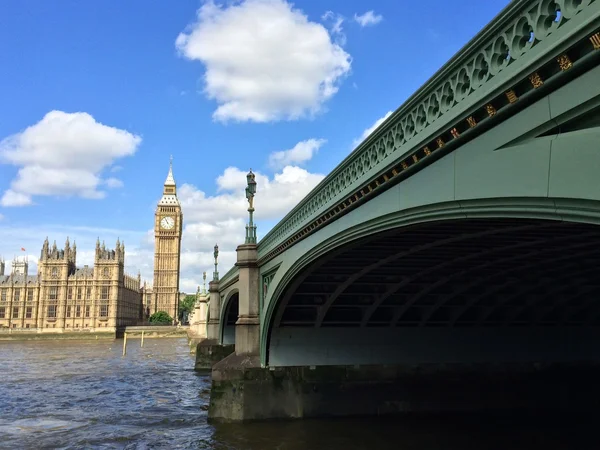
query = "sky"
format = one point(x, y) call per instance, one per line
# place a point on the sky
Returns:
point(96, 96)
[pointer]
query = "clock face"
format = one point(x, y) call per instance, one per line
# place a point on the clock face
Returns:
point(167, 223)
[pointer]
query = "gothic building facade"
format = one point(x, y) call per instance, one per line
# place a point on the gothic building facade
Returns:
point(62, 297)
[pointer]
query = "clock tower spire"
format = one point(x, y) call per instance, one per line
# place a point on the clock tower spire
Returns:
point(168, 225)
point(170, 186)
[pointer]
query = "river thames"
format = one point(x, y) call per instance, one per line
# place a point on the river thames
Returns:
point(86, 395)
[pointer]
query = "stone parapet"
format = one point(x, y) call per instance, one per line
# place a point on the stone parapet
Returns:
point(209, 352)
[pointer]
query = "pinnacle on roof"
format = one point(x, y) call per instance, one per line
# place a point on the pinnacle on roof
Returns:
point(170, 181)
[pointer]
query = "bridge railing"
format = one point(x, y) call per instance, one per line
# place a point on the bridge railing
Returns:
point(523, 34)
point(231, 273)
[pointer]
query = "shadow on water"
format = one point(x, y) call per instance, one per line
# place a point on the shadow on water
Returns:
point(84, 394)
point(458, 433)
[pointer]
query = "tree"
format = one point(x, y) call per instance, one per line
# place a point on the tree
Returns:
point(187, 304)
point(161, 318)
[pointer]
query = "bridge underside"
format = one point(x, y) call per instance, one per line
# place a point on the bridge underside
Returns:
point(479, 290)
point(230, 318)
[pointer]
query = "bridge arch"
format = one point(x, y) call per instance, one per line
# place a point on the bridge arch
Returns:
point(502, 264)
point(229, 315)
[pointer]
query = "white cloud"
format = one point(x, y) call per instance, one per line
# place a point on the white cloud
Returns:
point(300, 153)
point(372, 128)
point(208, 220)
point(1, 217)
point(336, 21)
point(230, 180)
point(221, 219)
point(63, 154)
point(274, 196)
point(265, 61)
point(368, 18)
point(113, 183)
point(12, 198)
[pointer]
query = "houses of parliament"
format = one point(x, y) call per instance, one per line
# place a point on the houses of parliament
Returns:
point(62, 297)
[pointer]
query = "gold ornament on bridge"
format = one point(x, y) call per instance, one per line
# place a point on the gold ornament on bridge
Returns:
point(454, 133)
point(564, 62)
point(561, 61)
point(440, 142)
point(415, 159)
point(595, 40)
point(427, 151)
point(490, 110)
point(511, 96)
point(536, 80)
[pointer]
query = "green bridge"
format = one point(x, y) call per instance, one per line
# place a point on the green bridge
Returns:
point(461, 236)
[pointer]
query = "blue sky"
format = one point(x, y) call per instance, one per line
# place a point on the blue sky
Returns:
point(129, 83)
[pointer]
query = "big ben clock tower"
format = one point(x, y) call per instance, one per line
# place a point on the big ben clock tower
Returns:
point(168, 222)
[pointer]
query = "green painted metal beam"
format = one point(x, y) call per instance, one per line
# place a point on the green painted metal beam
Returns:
point(521, 38)
point(557, 209)
point(524, 36)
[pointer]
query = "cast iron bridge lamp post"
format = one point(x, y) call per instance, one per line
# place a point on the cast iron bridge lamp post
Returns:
point(216, 255)
point(250, 191)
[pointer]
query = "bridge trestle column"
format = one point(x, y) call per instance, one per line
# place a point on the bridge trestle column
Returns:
point(247, 331)
point(212, 327)
point(210, 351)
point(197, 319)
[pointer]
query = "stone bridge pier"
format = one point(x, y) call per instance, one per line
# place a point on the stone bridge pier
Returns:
point(234, 327)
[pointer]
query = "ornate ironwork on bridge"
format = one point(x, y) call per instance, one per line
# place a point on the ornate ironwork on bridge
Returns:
point(526, 49)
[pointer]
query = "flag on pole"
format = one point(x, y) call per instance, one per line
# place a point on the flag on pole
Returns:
point(22, 249)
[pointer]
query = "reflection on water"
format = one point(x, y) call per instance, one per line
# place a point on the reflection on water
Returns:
point(84, 394)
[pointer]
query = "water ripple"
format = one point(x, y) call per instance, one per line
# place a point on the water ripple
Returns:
point(85, 395)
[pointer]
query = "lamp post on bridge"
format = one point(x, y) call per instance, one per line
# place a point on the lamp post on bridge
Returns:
point(250, 191)
point(216, 255)
point(214, 308)
point(247, 326)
